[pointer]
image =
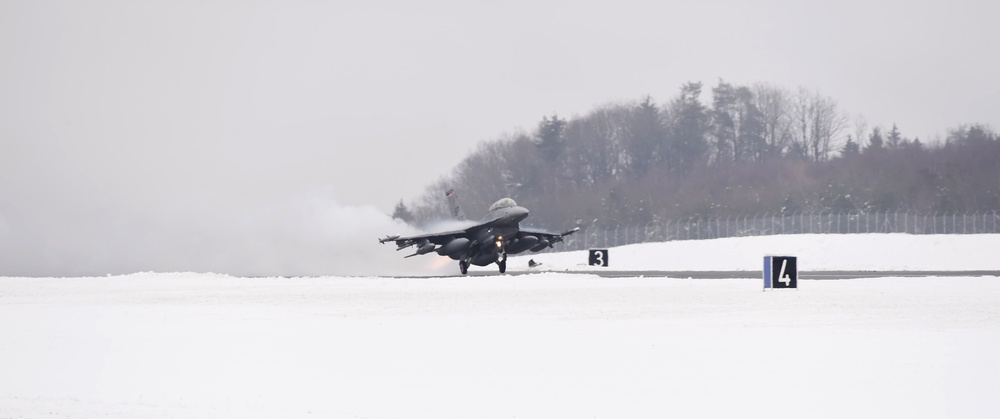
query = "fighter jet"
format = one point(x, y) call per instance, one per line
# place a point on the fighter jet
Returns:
point(489, 241)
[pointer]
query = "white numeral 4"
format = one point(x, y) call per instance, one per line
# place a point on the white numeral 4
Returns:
point(783, 277)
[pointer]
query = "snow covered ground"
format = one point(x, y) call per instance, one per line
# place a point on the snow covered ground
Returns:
point(551, 344)
point(834, 252)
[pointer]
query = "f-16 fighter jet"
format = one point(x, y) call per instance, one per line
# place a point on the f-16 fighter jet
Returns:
point(489, 241)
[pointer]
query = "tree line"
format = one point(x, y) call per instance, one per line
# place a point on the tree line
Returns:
point(752, 150)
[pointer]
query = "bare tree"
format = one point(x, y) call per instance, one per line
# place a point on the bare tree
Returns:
point(774, 105)
point(597, 145)
point(486, 175)
point(431, 205)
point(636, 162)
point(860, 125)
point(818, 124)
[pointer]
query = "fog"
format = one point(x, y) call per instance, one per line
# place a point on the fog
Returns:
point(302, 235)
point(272, 137)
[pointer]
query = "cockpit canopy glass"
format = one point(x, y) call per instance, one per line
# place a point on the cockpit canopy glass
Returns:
point(503, 203)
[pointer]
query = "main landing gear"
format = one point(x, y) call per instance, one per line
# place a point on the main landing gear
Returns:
point(463, 265)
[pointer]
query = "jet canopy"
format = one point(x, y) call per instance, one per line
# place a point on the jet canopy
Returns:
point(503, 203)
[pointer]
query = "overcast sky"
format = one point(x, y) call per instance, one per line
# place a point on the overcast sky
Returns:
point(154, 129)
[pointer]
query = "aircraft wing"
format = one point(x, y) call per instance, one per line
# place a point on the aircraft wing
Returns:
point(456, 241)
point(435, 238)
point(540, 238)
point(550, 236)
point(426, 243)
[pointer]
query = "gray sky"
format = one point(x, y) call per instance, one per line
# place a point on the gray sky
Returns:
point(169, 135)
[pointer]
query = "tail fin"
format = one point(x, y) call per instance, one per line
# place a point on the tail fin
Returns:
point(453, 205)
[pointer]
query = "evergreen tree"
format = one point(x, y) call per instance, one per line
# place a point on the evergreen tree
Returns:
point(894, 139)
point(875, 142)
point(724, 117)
point(690, 123)
point(851, 148)
point(647, 135)
point(979, 134)
point(750, 142)
point(639, 162)
point(549, 136)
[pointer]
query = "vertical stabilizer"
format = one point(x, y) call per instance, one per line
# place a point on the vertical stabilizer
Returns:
point(456, 211)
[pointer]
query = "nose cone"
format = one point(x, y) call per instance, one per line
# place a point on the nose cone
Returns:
point(520, 213)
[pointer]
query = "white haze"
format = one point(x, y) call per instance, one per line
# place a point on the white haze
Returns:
point(271, 137)
point(307, 234)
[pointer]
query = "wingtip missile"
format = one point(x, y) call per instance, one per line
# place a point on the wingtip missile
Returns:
point(388, 239)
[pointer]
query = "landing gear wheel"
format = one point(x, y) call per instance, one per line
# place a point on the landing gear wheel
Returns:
point(503, 263)
point(464, 266)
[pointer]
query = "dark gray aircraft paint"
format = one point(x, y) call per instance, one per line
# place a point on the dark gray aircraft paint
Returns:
point(490, 241)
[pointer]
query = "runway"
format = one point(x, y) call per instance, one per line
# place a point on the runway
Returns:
point(806, 275)
point(556, 344)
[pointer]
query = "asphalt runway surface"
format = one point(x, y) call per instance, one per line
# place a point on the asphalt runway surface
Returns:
point(806, 275)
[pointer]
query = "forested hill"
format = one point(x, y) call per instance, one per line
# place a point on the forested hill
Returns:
point(752, 150)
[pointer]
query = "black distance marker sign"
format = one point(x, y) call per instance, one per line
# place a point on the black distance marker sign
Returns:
point(598, 257)
point(781, 272)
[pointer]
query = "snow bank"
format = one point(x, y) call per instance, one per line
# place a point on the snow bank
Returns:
point(815, 252)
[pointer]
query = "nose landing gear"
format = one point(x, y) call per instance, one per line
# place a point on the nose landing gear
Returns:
point(502, 262)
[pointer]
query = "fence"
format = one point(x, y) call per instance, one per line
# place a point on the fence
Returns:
point(771, 224)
